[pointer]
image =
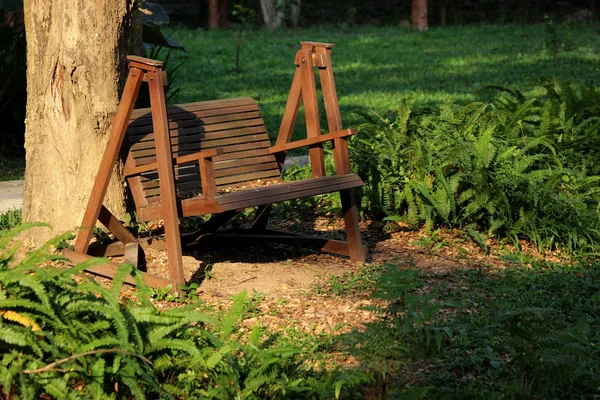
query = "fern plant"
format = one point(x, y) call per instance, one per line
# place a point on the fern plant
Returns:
point(64, 339)
point(515, 168)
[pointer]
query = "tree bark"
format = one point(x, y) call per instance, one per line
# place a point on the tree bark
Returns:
point(295, 7)
point(272, 12)
point(75, 60)
point(223, 14)
point(419, 15)
point(213, 14)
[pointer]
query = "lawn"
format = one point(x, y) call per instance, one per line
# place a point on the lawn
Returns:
point(376, 67)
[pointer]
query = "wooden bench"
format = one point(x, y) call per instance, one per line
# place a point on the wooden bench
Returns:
point(245, 174)
point(215, 158)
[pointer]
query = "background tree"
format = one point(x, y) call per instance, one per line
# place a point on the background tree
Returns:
point(75, 60)
point(273, 12)
point(213, 14)
point(419, 15)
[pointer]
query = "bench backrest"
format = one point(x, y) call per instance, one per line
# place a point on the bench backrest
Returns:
point(235, 125)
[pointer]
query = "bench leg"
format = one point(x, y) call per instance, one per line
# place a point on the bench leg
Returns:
point(355, 245)
point(262, 218)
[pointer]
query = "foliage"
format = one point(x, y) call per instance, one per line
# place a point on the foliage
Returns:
point(10, 219)
point(64, 339)
point(244, 16)
point(513, 169)
point(522, 332)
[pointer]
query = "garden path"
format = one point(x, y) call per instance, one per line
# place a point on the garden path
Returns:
point(11, 195)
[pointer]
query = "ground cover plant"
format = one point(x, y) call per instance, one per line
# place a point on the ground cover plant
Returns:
point(522, 332)
point(63, 338)
point(521, 166)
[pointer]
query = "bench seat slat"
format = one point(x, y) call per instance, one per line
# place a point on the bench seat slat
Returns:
point(281, 192)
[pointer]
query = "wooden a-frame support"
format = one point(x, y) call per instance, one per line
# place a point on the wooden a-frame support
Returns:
point(151, 71)
point(303, 90)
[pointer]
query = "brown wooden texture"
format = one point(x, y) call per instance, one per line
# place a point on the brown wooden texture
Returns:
point(164, 158)
point(311, 112)
point(109, 270)
point(109, 159)
point(115, 226)
point(215, 157)
point(326, 137)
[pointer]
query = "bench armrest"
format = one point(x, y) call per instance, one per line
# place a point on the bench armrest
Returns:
point(312, 140)
point(201, 155)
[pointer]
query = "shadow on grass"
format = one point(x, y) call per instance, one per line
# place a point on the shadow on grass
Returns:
point(523, 332)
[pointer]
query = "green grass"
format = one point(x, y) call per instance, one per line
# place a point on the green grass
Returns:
point(376, 67)
point(524, 332)
point(11, 168)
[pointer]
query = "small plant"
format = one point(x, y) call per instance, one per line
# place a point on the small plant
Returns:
point(515, 169)
point(244, 16)
point(10, 219)
point(553, 43)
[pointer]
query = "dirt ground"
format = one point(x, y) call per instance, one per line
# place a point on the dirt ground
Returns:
point(287, 279)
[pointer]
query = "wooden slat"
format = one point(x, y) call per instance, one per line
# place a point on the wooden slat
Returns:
point(137, 192)
point(198, 128)
point(198, 106)
point(109, 270)
point(290, 113)
point(311, 112)
point(271, 166)
point(305, 184)
point(182, 114)
point(115, 226)
point(237, 152)
point(253, 159)
point(193, 121)
point(180, 159)
point(167, 180)
point(195, 143)
point(227, 180)
point(275, 193)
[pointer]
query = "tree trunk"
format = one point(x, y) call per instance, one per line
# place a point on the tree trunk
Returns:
point(75, 61)
point(223, 14)
point(213, 14)
point(419, 15)
point(295, 7)
point(272, 12)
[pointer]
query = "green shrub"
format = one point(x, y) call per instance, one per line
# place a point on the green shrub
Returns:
point(513, 169)
point(10, 219)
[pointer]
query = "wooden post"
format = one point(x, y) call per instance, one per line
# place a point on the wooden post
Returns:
point(164, 158)
point(109, 158)
point(340, 152)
